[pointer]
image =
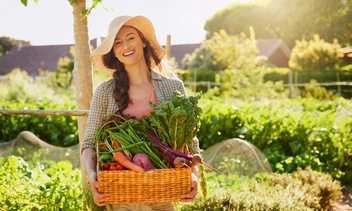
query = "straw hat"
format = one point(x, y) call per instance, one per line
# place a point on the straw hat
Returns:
point(141, 23)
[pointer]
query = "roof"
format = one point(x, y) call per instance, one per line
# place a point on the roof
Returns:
point(267, 47)
point(347, 51)
point(33, 58)
point(180, 50)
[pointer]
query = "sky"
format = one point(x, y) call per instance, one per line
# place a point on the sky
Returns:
point(50, 22)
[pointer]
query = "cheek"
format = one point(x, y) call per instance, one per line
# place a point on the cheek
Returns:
point(116, 52)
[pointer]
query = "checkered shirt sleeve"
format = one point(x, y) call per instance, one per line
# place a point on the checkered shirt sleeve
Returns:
point(102, 105)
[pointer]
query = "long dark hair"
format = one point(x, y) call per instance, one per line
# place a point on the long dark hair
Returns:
point(120, 75)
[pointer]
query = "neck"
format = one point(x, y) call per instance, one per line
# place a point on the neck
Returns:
point(138, 74)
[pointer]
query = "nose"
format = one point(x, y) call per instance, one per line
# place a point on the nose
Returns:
point(125, 45)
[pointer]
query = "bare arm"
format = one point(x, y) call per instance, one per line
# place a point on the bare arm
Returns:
point(90, 162)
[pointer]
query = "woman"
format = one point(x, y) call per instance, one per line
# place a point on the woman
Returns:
point(132, 55)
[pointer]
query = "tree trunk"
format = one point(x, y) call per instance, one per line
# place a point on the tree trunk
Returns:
point(82, 73)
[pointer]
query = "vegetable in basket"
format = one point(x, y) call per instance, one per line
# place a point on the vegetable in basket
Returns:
point(176, 122)
point(121, 140)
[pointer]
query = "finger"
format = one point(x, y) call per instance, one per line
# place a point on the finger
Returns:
point(104, 197)
point(101, 199)
point(190, 196)
point(101, 204)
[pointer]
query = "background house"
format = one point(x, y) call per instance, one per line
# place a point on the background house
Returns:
point(38, 58)
point(275, 50)
point(347, 54)
point(34, 59)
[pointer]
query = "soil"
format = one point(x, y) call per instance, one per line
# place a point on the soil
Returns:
point(345, 203)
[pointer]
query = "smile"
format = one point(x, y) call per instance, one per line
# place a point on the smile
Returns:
point(128, 53)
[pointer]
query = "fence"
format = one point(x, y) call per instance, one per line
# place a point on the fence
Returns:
point(46, 112)
point(331, 80)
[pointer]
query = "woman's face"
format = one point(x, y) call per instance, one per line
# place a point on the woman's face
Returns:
point(128, 46)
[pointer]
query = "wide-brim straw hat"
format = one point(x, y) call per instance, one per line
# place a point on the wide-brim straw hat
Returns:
point(141, 23)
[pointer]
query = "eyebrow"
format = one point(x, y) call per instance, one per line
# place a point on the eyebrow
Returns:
point(132, 33)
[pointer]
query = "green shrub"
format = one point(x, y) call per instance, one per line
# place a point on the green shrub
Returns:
point(315, 54)
point(312, 90)
point(248, 84)
point(329, 190)
point(292, 134)
point(55, 130)
point(286, 192)
point(224, 51)
point(21, 92)
point(52, 187)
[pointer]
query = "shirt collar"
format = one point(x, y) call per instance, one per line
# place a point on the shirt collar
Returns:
point(155, 75)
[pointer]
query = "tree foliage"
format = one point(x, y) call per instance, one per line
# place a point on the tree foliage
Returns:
point(224, 51)
point(315, 54)
point(7, 43)
point(65, 67)
point(287, 19)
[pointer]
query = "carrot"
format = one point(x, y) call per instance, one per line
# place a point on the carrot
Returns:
point(122, 159)
point(117, 144)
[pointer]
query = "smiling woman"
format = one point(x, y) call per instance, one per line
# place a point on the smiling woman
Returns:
point(133, 56)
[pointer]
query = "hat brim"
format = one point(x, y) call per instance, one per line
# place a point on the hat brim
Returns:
point(140, 23)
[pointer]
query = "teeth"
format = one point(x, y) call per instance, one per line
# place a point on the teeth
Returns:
point(129, 53)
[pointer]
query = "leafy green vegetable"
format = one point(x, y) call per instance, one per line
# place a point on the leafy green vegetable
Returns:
point(176, 122)
point(106, 158)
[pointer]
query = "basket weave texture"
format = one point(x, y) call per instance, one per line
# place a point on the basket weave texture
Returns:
point(154, 186)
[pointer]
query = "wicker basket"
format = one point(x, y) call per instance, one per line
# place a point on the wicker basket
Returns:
point(154, 186)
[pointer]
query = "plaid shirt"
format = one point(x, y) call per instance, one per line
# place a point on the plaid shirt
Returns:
point(103, 103)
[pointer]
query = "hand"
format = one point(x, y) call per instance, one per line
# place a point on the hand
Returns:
point(189, 197)
point(99, 199)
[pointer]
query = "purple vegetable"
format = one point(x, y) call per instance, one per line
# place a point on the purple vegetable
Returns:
point(143, 161)
point(169, 153)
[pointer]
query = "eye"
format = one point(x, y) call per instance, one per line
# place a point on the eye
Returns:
point(130, 38)
point(117, 42)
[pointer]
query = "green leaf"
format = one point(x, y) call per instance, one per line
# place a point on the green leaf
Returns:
point(24, 2)
point(177, 128)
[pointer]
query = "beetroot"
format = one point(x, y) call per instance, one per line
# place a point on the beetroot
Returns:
point(143, 161)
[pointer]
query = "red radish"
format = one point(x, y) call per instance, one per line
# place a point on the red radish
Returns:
point(113, 166)
point(120, 167)
point(143, 161)
point(105, 166)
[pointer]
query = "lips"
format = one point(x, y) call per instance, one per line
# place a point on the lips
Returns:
point(128, 53)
